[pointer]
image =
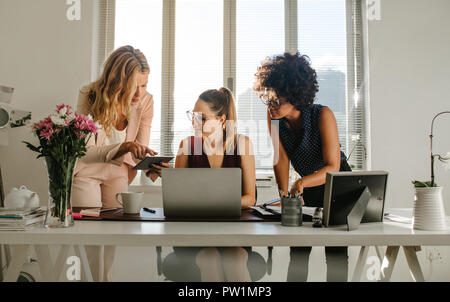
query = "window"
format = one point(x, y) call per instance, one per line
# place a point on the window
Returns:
point(259, 33)
point(322, 35)
point(194, 45)
point(139, 23)
point(198, 60)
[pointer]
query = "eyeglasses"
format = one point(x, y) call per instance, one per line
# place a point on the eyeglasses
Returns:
point(196, 116)
point(272, 101)
point(190, 115)
point(269, 99)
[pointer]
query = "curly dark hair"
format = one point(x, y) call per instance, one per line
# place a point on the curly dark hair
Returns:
point(290, 76)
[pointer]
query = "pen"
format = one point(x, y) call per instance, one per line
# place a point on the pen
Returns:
point(272, 201)
point(107, 210)
point(149, 210)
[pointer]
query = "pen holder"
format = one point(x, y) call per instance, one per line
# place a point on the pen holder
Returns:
point(291, 211)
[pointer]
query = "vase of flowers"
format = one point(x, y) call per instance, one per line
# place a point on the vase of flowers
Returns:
point(429, 212)
point(62, 140)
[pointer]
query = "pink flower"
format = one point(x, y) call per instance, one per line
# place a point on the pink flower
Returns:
point(84, 123)
point(65, 118)
point(46, 133)
point(63, 109)
point(62, 126)
point(38, 125)
point(45, 123)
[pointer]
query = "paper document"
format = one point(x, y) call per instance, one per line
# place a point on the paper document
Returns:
point(262, 211)
point(406, 219)
point(400, 219)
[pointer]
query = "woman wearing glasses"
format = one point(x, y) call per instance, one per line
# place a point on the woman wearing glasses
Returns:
point(308, 139)
point(216, 144)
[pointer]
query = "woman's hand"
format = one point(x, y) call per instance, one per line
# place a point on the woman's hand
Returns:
point(297, 187)
point(157, 170)
point(137, 150)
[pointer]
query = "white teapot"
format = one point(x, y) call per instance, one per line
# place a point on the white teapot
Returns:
point(19, 198)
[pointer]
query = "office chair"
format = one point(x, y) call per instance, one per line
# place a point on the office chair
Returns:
point(171, 266)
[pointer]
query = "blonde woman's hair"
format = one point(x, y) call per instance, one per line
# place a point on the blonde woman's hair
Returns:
point(221, 102)
point(116, 86)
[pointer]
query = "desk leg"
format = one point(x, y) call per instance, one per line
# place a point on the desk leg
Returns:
point(360, 263)
point(1, 262)
point(7, 254)
point(20, 253)
point(45, 262)
point(388, 263)
point(61, 261)
point(413, 263)
point(380, 253)
point(80, 251)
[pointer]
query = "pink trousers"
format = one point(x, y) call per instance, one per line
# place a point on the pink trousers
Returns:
point(96, 185)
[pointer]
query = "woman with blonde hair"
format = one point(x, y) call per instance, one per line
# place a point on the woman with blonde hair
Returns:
point(119, 103)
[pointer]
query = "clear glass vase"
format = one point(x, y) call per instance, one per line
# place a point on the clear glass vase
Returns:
point(60, 176)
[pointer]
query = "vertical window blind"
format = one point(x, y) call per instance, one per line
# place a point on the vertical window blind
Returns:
point(198, 61)
point(103, 41)
point(139, 24)
point(259, 33)
point(194, 45)
point(322, 35)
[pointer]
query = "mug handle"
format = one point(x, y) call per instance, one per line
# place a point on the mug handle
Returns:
point(118, 199)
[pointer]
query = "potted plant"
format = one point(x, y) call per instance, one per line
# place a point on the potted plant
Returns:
point(429, 213)
point(62, 140)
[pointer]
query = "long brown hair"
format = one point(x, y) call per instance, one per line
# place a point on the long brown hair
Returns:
point(116, 86)
point(221, 102)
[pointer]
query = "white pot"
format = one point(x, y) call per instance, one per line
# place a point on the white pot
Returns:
point(429, 213)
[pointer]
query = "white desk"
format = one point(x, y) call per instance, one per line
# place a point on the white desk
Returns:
point(388, 233)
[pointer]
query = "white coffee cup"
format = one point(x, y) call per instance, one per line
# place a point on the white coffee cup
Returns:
point(131, 201)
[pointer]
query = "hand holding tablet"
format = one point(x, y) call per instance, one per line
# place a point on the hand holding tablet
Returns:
point(148, 162)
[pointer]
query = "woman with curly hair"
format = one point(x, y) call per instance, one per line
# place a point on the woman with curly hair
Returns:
point(308, 139)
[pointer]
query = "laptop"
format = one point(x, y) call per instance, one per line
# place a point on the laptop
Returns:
point(201, 192)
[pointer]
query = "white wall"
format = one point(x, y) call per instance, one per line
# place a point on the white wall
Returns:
point(409, 70)
point(47, 58)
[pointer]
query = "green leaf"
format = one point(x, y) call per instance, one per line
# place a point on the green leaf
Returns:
point(31, 147)
point(423, 184)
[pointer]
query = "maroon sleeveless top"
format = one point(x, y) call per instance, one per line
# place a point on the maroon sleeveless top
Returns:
point(196, 160)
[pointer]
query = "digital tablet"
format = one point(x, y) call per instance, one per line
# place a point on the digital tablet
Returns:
point(147, 162)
